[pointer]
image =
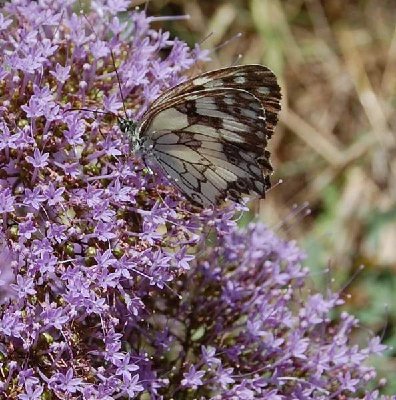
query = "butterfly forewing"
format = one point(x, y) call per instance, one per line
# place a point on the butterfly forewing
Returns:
point(256, 79)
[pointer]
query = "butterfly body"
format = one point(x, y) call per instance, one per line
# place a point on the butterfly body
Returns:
point(209, 134)
point(129, 127)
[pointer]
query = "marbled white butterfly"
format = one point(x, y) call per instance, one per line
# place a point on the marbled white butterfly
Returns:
point(209, 134)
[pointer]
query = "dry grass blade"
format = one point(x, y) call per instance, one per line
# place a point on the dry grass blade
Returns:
point(367, 96)
point(219, 24)
point(388, 83)
point(313, 138)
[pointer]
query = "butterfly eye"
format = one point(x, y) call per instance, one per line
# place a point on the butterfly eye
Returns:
point(127, 126)
point(122, 125)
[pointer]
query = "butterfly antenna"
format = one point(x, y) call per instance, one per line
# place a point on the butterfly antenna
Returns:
point(119, 84)
point(60, 21)
point(114, 65)
point(87, 109)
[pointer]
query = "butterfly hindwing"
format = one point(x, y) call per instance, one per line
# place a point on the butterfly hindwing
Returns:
point(211, 143)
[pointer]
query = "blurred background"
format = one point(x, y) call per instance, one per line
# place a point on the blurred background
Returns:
point(335, 146)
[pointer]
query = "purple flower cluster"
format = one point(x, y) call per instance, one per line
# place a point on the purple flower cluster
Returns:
point(112, 285)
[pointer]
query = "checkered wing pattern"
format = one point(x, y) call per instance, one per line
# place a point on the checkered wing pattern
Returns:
point(256, 79)
point(209, 134)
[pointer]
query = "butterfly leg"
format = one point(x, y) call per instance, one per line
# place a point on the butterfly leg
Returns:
point(146, 170)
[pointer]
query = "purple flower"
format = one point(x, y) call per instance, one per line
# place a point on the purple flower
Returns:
point(104, 231)
point(7, 262)
point(43, 95)
point(57, 232)
point(116, 27)
point(7, 201)
point(4, 23)
point(34, 108)
point(224, 377)
point(112, 103)
point(99, 49)
point(75, 131)
point(38, 160)
point(11, 325)
point(183, 260)
point(131, 385)
point(47, 48)
point(208, 354)
point(53, 195)
point(34, 197)
point(125, 366)
point(61, 74)
point(193, 378)
point(348, 382)
point(54, 317)
point(32, 392)
point(27, 228)
point(66, 382)
point(7, 140)
point(24, 286)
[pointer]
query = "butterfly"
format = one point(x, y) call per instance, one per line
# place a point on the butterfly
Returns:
point(209, 134)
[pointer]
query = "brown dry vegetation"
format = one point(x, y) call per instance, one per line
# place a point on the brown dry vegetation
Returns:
point(335, 146)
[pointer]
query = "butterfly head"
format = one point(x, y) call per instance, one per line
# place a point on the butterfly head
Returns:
point(130, 128)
